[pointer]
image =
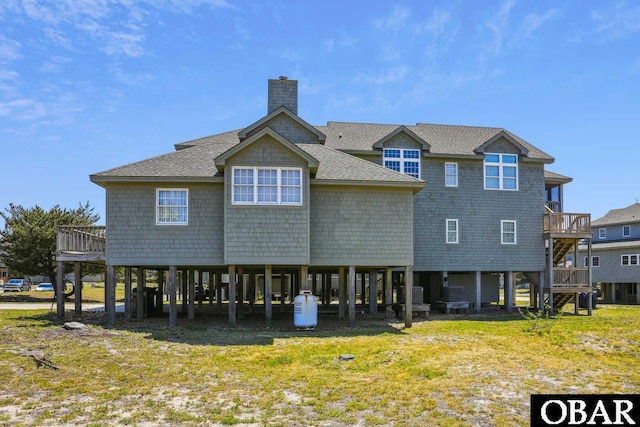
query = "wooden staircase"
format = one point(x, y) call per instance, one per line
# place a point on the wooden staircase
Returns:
point(561, 247)
point(560, 300)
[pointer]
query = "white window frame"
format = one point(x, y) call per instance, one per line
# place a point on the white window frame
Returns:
point(502, 166)
point(448, 231)
point(595, 261)
point(403, 161)
point(451, 175)
point(255, 186)
point(602, 233)
point(626, 231)
point(504, 233)
point(160, 208)
point(632, 260)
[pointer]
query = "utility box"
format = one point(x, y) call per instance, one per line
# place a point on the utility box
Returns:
point(453, 293)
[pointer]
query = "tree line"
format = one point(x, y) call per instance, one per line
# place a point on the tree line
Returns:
point(28, 240)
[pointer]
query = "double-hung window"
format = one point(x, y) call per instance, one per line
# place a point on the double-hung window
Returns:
point(172, 206)
point(602, 233)
point(626, 231)
point(452, 231)
point(266, 186)
point(628, 260)
point(500, 171)
point(508, 232)
point(402, 160)
point(451, 174)
point(595, 261)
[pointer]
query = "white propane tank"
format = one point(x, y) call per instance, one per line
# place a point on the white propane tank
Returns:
point(305, 310)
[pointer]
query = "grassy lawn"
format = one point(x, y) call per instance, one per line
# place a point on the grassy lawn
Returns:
point(446, 371)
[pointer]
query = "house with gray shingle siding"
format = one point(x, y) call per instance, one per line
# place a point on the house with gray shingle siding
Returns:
point(615, 256)
point(357, 213)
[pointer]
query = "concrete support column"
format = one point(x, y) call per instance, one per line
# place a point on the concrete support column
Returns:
point(342, 292)
point(110, 290)
point(240, 294)
point(304, 278)
point(373, 291)
point(508, 291)
point(478, 291)
point(314, 283)
point(140, 293)
point(541, 306)
point(352, 295)
point(388, 287)
point(219, 292)
point(268, 292)
point(160, 293)
point(408, 296)
point(191, 310)
point(184, 290)
point(200, 283)
point(78, 288)
point(60, 290)
point(232, 295)
point(127, 294)
point(171, 288)
point(253, 286)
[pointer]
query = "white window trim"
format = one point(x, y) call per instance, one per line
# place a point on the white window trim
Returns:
point(447, 231)
point(158, 222)
point(602, 233)
point(502, 232)
point(628, 256)
point(402, 160)
point(453, 175)
point(626, 227)
point(278, 184)
point(501, 165)
point(593, 263)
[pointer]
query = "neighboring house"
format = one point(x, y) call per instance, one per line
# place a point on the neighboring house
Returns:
point(615, 257)
point(397, 206)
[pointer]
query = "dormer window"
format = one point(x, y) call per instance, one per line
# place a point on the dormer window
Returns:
point(500, 172)
point(406, 161)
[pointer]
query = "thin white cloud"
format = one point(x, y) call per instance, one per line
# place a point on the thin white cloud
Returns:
point(290, 55)
point(441, 31)
point(23, 109)
point(9, 50)
point(391, 75)
point(498, 25)
point(395, 21)
point(119, 43)
point(534, 21)
point(617, 22)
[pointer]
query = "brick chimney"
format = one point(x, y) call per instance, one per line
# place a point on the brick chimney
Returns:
point(283, 93)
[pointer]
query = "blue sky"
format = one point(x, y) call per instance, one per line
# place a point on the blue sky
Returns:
point(87, 85)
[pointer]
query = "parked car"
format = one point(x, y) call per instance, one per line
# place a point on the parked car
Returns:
point(16, 285)
point(44, 287)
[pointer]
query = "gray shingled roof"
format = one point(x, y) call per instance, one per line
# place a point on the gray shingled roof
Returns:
point(556, 177)
point(194, 159)
point(193, 162)
point(627, 215)
point(444, 139)
point(336, 165)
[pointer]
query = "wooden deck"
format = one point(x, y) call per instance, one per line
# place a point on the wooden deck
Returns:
point(81, 243)
point(567, 225)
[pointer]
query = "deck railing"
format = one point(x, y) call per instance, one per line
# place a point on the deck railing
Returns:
point(570, 223)
point(89, 239)
point(570, 277)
